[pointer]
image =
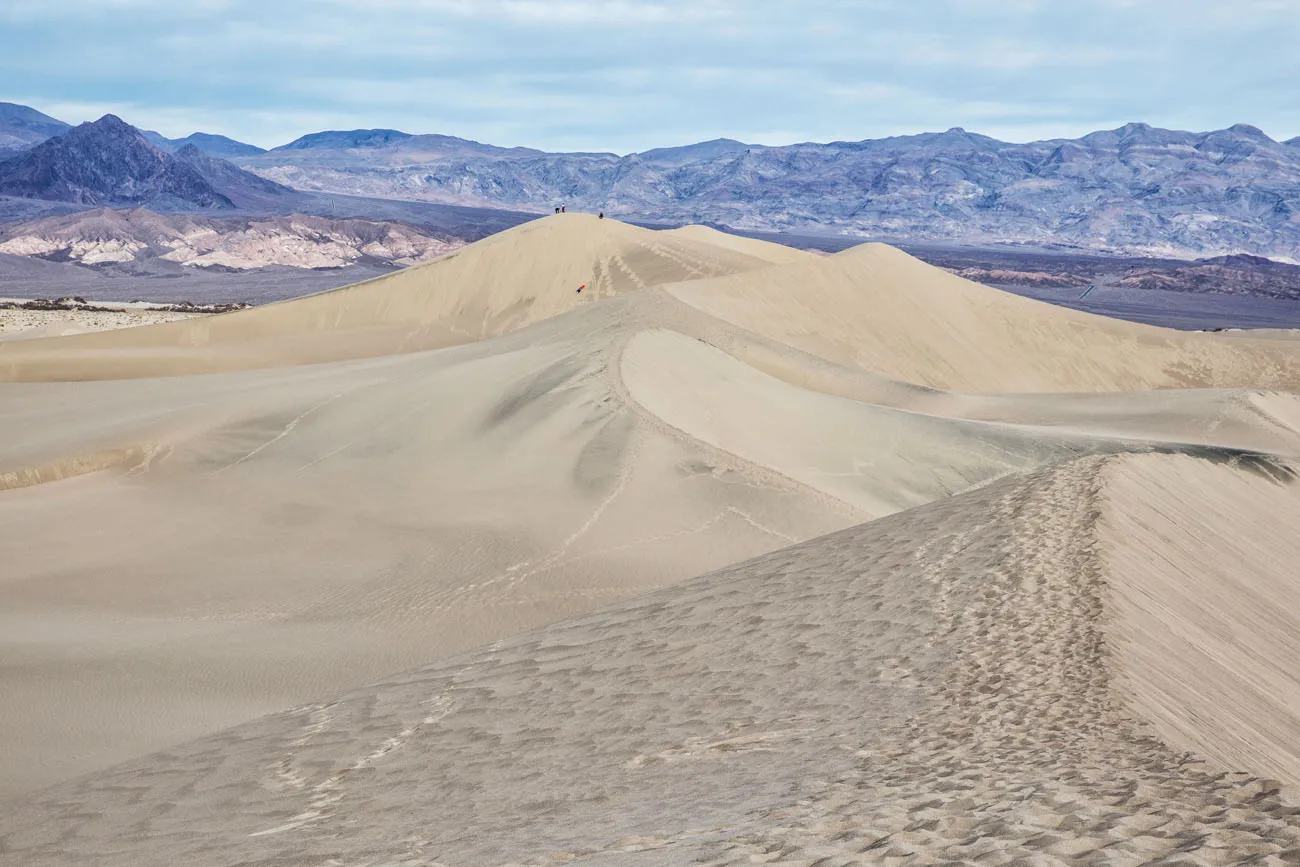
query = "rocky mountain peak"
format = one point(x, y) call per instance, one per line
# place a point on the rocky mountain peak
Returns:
point(112, 124)
point(107, 162)
point(1245, 130)
point(216, 145)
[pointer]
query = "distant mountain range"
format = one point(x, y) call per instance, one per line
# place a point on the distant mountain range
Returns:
point(1135, 190)
point(111, 163)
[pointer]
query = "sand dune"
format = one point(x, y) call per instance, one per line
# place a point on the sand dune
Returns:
point(877, 308)
point(932, 686)
point(872, 456)
point(775, 254)
point(212, 520)
point(871, 307)
point(521, 276)
point(888, 454)
point(283, 534)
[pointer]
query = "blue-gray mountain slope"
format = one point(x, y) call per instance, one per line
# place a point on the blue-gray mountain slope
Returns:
point(1136, 189)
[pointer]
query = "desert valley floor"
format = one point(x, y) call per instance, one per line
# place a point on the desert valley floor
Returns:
point(741, 554)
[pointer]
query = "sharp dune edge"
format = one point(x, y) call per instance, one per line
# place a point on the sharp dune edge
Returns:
point(980, 595)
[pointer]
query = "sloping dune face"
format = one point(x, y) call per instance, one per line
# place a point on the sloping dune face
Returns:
point(1204, 567)
point(286, 532)
point(878, 309)
point(932, 686)
point(874, 456)
point(408, 471)
point(281, 534)
point(774, 254)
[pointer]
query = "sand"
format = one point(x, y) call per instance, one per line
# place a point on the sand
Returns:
point(1203, 568)
point(1049, 621)
point(877, 308)
point(938, 685)
point(505, 282)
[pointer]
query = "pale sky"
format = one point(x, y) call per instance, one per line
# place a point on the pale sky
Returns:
point(627, 75)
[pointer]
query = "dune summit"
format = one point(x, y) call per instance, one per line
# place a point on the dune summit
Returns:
point(494, 287)
point(988, 581)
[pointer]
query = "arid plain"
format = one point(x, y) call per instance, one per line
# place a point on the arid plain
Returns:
point(741, 554)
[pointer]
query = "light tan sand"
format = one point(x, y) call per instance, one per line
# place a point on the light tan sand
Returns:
point(775, 254)
point(882, 452)
point(1205, 568)
point(871, 307)
point(519, 277)
point(487, 451)
point(932, 687)
point(876, 308)
point(283, 534)
point(872, 456)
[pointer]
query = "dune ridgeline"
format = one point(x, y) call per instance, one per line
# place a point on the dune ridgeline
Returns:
point(406, 572)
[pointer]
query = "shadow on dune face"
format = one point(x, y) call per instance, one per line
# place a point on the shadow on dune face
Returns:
point(1266, 466)
point(536, 390)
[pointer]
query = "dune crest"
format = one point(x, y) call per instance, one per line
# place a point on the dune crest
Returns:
point(500, 284)
point(876, 308)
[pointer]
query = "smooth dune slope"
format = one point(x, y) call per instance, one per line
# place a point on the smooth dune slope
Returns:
point(903, 449)
point(935, 686)
point(250, 539)
point(776, 254)
point(875, 457)
point(185, 553)
point(1205, 567)
point(878, 309)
